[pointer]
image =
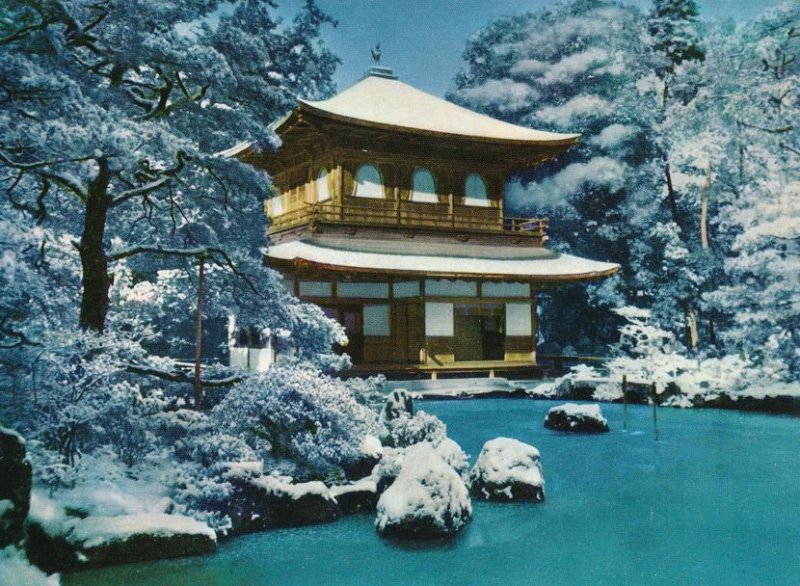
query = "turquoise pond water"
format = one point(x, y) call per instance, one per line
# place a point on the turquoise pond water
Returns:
point(715, 501)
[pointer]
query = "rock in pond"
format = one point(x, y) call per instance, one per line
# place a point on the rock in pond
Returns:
point(508, 470)
point(427, 499)
point(15, 486)
point(397, 402)
point(387, 470)
point(271, 502)
point(576, 418)
point(58, 542)
point(361, 495)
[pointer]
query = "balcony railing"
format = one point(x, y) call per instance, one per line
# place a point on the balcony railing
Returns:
point(411, 215)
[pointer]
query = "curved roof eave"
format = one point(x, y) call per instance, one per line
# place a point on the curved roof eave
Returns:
point(562, 268)
point(566, 142)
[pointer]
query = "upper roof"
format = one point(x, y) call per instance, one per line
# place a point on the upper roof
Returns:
point(381, 100)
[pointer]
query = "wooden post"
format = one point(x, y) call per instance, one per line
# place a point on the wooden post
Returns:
point(655, 411)
point(624, 402)
point(198, 334)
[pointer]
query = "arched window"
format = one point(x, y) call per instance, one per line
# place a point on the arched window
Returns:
point(475, 191)
point(369, 182)
point(323, 192)
point(424, 188)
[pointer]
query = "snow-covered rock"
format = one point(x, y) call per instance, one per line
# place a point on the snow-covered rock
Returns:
point(427, 499)
point(454, 457)
point(397, 402)
point(391, 463)
point(579, 384)
point(361, 495)
point(270, 501)
point(578, 418)
point(508, 470)
point(57, 541)
point(15, 486)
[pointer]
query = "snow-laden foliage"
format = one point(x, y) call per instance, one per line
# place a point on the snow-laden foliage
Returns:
point(110, 120)
point(297, 414)
point(406, 430)
point(686, 173)
point(112, 115)
point(580, 63)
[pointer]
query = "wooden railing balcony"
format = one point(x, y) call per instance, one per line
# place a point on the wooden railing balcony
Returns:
point(409, 215)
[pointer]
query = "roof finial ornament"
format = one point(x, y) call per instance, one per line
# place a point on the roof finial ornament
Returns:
point(376, 54)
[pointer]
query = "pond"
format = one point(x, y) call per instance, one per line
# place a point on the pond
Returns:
point(715, 501)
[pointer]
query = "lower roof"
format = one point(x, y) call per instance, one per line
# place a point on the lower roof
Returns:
point(421, 258)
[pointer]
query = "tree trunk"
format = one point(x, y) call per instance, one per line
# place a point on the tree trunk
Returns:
point(95, 281)
point(198, 335)
point(673, 202)
point(693, 336)
point(704, 210)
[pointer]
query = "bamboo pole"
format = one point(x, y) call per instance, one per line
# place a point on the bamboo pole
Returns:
point(655, 411)
point(198, 334)
point(624, 402)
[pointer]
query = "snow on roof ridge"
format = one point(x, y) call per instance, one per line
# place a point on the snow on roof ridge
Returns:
point(390, 102)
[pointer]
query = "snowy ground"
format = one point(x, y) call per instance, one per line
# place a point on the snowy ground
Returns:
point(15, 570)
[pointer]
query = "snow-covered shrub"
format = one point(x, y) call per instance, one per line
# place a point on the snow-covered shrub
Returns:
point(298, 414)
point(406, 430)
point(201, 493)
point(368, 391)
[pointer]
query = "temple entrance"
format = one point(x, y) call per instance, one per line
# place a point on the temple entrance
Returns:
point(352, 319)
point(479, 332)
point(408, 331)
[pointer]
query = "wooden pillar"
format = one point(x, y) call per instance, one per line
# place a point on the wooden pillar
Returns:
point(310, 196)
point(534, 333)
point(397, 195)
point(340, 194)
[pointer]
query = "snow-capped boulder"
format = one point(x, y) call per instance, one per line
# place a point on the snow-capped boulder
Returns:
point(391, 463)
point(454, 457)
point(15, 486)
point(397, 402)
point(577, 418)
point(57, 541)
point(270, 501)
point(427, 499)
point(508, 470)
point(361, 495)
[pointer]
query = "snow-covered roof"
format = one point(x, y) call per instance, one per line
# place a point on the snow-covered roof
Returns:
point(384, 101)
point(400, 257)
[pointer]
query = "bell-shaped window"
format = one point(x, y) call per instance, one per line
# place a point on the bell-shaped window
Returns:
point(424, 186)
point(323, 191)
point(369, 182)
point(475, 192)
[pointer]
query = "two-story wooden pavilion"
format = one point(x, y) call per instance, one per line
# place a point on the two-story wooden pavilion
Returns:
point(389, 215)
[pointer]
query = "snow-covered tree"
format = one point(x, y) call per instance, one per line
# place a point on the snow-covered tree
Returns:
point(575, 67)
point(112, 115)
point(755, 94)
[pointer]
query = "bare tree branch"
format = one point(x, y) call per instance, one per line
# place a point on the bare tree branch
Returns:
point(178, 376)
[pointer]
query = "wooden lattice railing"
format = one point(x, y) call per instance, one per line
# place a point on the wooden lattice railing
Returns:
point(409, 214)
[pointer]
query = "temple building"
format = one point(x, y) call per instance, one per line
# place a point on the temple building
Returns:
point(388, 214)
